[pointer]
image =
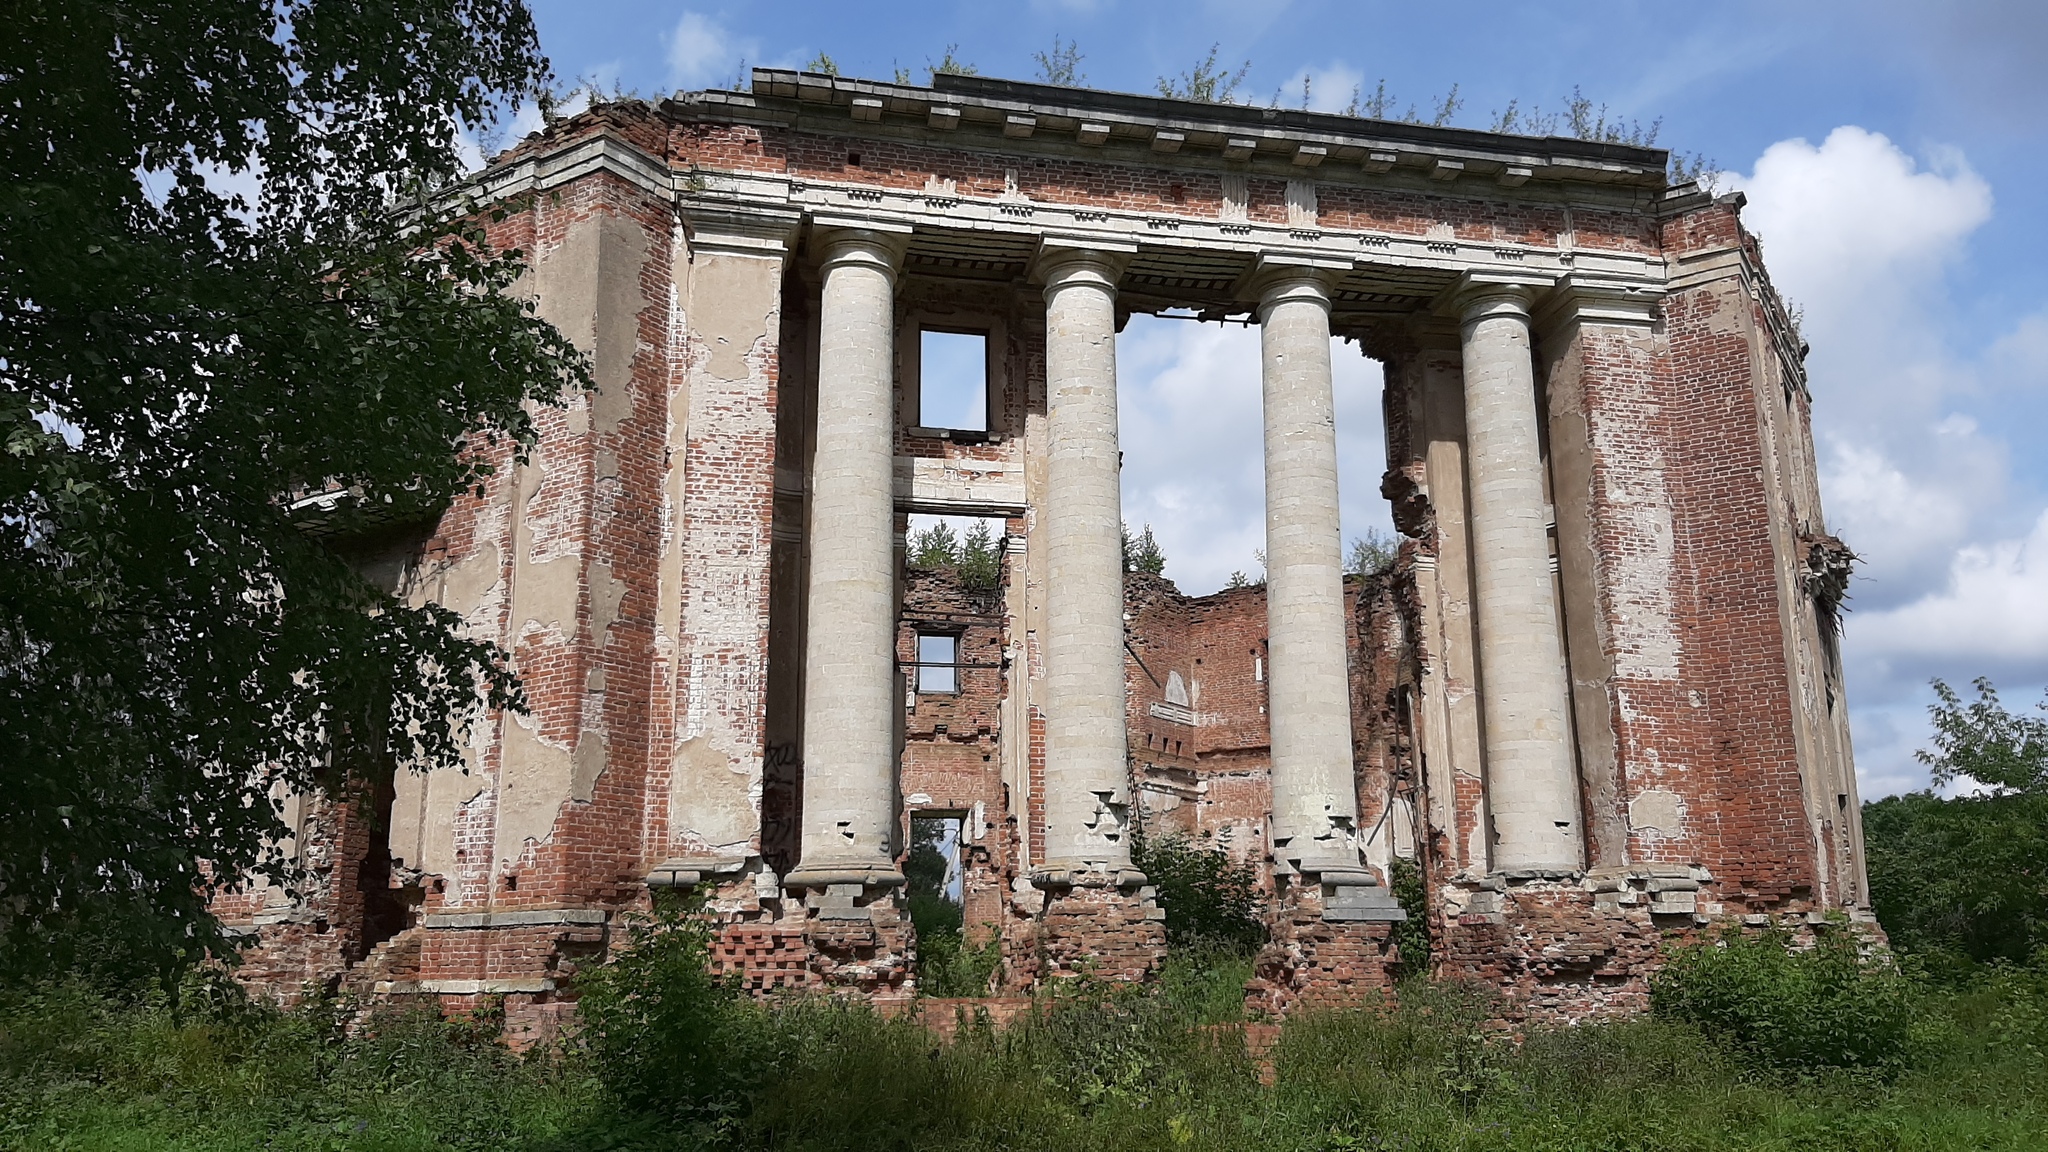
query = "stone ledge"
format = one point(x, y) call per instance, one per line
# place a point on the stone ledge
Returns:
point(529, 918)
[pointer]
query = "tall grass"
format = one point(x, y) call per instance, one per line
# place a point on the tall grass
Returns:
point(1094, 1068)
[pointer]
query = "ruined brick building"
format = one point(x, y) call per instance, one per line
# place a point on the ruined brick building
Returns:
point(1597, 698)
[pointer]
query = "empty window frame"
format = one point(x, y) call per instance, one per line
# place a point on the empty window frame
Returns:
point(952, 385)
point(938, 663)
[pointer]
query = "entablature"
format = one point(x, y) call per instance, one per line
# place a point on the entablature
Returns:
point(1040, 119)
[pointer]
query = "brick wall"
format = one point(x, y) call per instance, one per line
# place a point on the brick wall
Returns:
point(646, 570)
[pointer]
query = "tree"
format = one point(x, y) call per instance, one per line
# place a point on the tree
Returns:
point(1985, 743)
point(1142, 552)
point(981, 557)
point(977, 557)
point(1966, 877)
point(1061, 64)
point(1372, 553)
point(1205, 82)
point(232, 273)
point(950, 64)
point(937, 546)
point(1211, 900)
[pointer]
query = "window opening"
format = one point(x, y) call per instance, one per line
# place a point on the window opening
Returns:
point(952, 387)
point(938, 662)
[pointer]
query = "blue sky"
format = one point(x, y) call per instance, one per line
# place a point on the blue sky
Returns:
point(1894, 158)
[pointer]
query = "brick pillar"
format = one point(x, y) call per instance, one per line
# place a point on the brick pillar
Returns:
point(1098, 914)
point(1525, 694)
point(848, 865)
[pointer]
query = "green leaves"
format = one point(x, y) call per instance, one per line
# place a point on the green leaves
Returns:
point(1793, 1009)
point(210, 307)
point(1964, 880)
point(1981, 741)
point(1211, 901)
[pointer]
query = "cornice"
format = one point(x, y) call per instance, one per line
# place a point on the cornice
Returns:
point(543, 171)
point(1579, 298)
point(1026, 118)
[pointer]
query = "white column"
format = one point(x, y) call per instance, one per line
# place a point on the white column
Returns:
point(850, 676)
point(1315, 798)
point(1532, 788)
point(1087, 780)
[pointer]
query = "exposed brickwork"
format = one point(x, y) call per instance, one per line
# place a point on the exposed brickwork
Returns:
point(1100, 932)
point(647, 571)
point(1312, 963)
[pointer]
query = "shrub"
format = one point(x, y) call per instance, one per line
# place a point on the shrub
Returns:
point(1411, 936)
point(1792, 1009)
point(949, 966)
point(666, 1034)
point(1211, 901)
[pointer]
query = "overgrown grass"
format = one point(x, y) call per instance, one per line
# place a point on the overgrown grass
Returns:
point(1094, 1068)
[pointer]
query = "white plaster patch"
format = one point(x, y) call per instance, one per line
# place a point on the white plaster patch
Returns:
point(1658, 810)
point(1637, 571)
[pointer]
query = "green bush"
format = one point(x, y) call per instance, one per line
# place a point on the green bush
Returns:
point(1411, 936)
point(668, 1037)
point(1962, 881)
point(1790, 1009)
point(1211, 901)
point(947, 965)
point(1096, 1069)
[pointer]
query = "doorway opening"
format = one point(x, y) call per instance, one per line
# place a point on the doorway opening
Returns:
point(948, 963)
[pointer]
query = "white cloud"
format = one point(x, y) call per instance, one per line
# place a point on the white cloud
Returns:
point(1994, 606)
point(1955, 576)
point(703, 51)
point(1191, 425)
point(1331, 87)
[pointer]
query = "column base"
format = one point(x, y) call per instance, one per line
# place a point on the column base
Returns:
point(1331, 947)
point(1098, 925)
point(859, 938)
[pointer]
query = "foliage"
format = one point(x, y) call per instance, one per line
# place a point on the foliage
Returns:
point(976, 557)
point(1789, 1009)
point(666, 1035)
point(823, 65)
point(210, 304)
point(1578, 119)
point(950, 64)
point(1372, 553)
point(1205, 81)
point(1061, 64)
point(1964, 880)
point(1211, 901)
point(1142, 552)
point(207, 1069)
point(1985, 743)
point(1381, 103)
point(1097, 1068)
point(946, 964)
point(1411, 936)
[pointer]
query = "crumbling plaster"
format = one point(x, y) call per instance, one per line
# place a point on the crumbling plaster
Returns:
point(649, 566)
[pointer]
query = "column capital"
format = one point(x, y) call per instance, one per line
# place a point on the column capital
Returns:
point(1581, 299)
point(1477, 295)
point(854, 243)
point(1282, 277)
point(1063, 261)
point(757, 233)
